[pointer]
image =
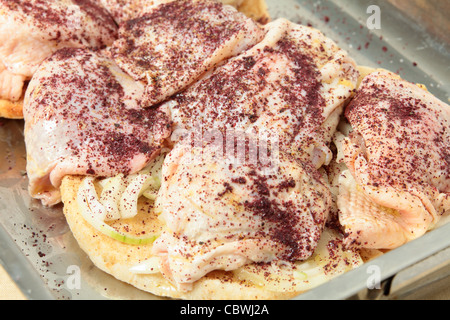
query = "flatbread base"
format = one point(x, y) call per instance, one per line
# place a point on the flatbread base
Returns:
point(115, 258)
point(255, 9)
point(11, 110)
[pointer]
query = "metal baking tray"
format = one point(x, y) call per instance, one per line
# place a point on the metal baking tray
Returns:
point(39, 252)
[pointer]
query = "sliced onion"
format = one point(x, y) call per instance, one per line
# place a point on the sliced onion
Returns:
point(154, 169)
point(112, 189)
point(150, 194)
point(87, 191)
point(149, 266)
point(94, 213)
point(129, 199)
point(303, 275)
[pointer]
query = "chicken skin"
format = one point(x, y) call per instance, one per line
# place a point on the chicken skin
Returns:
point(222, 211)
point(173, 44)
point(30, 31)
point(83, 117)
point(397, 185)
point(291, 87)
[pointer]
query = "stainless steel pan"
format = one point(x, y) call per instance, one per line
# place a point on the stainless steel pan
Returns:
point(40, 254)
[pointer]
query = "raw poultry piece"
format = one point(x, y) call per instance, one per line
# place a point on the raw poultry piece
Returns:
point(397, 185)
point(30, 31)
point(290, 87)
point(222, 211)
point(123, 10)
point(173, 44)
point(83, 117)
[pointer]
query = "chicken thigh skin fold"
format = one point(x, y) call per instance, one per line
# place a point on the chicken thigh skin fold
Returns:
point(83, 117)
point(398, 155)
point(222, 212)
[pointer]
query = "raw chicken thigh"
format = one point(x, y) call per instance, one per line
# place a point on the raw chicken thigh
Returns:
point(290, 88)
point(223, 211)
point(398, 156)
point(31, 30)
point(173, 44)
point(83, 117)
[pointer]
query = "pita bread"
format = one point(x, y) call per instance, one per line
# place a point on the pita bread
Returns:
point(255, 9)
point(11, 110)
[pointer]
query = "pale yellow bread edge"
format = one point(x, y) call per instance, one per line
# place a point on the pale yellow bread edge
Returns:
point(11, 110)
point(255, 9)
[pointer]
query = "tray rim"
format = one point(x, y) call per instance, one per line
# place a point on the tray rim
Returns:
point(341, 287)
point(352, 282)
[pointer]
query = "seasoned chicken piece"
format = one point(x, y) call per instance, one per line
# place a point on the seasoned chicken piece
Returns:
point(173, 44)
point(32, 30)
point(291, 85)
point(83, 117)
point(123, 10)
point(222, 211)
point(11, 85)
point(398, 156)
